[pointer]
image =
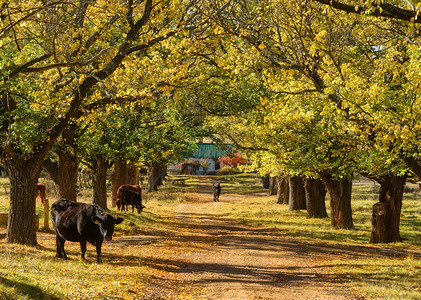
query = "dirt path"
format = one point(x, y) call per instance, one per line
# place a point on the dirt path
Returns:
point(201, 255)
point(241, 262)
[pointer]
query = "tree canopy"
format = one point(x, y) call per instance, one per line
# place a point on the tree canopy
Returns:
point(52, 55)
point(312, 87)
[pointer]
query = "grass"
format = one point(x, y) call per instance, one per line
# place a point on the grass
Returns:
point(34, 273)
point(383, 278)
point(241, 184)
point(262, 211)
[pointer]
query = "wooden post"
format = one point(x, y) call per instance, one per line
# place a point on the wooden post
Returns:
point(46, 213)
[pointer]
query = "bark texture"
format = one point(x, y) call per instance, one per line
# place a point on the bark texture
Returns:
point(21, 224)
point(386, 213)
point(123, 174)
point(64, 173)
point(340, 202)
point(118, 177)
point(132, 175)
point(273, 185)
point(315, 198)
point(153, 178)
point(100, 182)
point(265, 182)
point(282, 195)
point(156, 176)
point(297, 196)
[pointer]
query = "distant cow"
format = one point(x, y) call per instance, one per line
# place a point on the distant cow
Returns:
point(216, 187)
point(81, 222)
point(129, 195)
point(41, 192)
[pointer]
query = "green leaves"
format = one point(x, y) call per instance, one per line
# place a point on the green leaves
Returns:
point(334, 88)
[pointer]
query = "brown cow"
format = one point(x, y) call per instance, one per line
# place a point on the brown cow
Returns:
point(129, 194)
point(41, 192)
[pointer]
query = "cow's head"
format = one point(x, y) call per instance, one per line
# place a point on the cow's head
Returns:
point(106, 224)
point(117, 203)
point(140, 208)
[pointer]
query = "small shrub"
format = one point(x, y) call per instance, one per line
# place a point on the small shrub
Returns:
point(228, 171)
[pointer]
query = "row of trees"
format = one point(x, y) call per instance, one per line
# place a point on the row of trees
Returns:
point(304, 89)
point(87, 81)
point(338, 97)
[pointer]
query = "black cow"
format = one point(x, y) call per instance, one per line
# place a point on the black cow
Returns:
point(81, 222)
point(128, 196)
point(216, 187)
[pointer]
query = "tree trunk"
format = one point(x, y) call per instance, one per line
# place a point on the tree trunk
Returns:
point(413, 164)
point(386, 213)
point(100, 182)
point(282, 195)
point(273, 185)
point(265, 181)
point(153, 178)
point(65, 172)
point(132, 175)
point(297, 196)
point(46, 205)
point(118, 178)
point(315, 197)
point(21, 224)
point(67, 177)
point(162, 174)
point(340, 202)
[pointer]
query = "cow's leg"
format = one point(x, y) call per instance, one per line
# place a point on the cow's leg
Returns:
point(98, 252)
point(60, 247)
point(83, 248)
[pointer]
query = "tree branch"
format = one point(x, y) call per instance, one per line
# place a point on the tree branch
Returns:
point(6, 28)
point(25, 66)
point(383, 10)
point(236, 143)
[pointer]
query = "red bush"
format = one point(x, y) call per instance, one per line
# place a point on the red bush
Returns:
point(233, 160)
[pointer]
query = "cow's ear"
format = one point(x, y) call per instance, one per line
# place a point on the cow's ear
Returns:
point(96, 220)
point(118, 220)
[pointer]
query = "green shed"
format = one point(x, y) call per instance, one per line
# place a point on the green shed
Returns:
point(209, 150)
point(205, 159)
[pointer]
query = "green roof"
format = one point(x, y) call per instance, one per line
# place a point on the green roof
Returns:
point(209, 150)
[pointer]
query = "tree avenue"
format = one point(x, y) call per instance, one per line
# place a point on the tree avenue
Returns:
point(343, 94)
point(308, 91)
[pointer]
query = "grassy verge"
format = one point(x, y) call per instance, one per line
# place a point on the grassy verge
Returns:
point(128, 268)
